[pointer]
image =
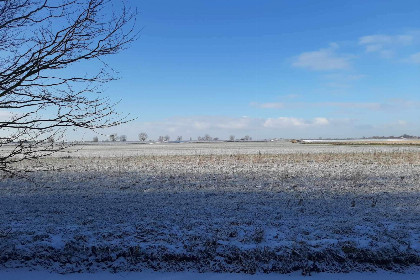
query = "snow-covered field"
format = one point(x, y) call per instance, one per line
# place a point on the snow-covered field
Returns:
point(116, 149)
point(223, 207)
point(43, 275)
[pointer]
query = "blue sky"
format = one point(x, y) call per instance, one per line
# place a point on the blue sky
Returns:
point(288, 69)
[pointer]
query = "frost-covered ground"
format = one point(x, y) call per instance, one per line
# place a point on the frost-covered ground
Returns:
point(233, 207)
point(116, 149)
point(42, 275)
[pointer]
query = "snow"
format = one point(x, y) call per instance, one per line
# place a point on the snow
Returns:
point(117, 149)
point(42, 275)
point(251, 208)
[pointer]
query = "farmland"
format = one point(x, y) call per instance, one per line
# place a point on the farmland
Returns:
point(215, 207)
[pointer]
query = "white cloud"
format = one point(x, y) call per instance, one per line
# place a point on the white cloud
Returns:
point(341, 81)
point(287, 122)
point(344, 77)
point(354, 105)
point(414, 58)
point(380, 40)
point(259, 128)
point(347, 105)
point(387, 53)
point(6, 115)
point(200, 125)
point(323, 60)
point(373, 48)
point(321, 121)
point(391, 105)
point(223, 127)
point(403, 104)
point(292, 96)
point(383, 44)
point(269, 105)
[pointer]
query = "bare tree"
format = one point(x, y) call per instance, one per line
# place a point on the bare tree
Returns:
point(179, 139)
point(43, 45)
point(95, 139)
point(246, 138)
point(166, 138)
point(123, 138)
point(113, 137)
point(143, 136)
point(207, 137)
point(232, 138)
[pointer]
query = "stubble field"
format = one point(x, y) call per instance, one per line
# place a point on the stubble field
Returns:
point(215, 207)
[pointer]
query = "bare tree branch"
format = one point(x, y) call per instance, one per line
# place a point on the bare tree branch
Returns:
point(39, 39)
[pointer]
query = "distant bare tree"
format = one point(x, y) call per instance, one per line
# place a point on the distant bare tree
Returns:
point(179, 139)
point(207, 137)
point(166, 138)
point(161, 139)
point(232, 138)
point(246, 138)
point(95, 139)
point(38, 40)
point(113, 137)
point(123, 138)
point(143, 136)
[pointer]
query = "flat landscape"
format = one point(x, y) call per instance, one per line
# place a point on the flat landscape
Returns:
point(256, 207)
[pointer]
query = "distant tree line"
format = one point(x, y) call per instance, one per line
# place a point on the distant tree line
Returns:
point(143, 136)
point(405, 136)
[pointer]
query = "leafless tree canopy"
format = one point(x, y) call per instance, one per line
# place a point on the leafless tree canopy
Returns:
point(143, 136)
point(113, 137)
point(43, 46)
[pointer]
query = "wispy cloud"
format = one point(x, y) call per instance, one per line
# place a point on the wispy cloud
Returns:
point(385, 44)
point(344, 77)
point(265, 128)
point(323, 60)
point(269, 105)
point(292, 96)
point(199, 124)
point(390, 105)
point(287, 122)
point(404, 104)
point(339, 81)
point(6, 115)
point(221, 126)
point(414, 58)
point(382, 40)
